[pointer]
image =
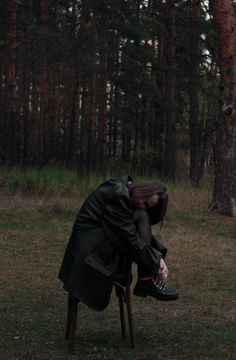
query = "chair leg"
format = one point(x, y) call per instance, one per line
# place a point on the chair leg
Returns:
point(71, 322)
point(122, 315)
point(68, 321)
point(129, 313)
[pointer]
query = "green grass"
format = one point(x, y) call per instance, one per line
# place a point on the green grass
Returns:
point(201, 261)
point(53, 180)
point(49, 180)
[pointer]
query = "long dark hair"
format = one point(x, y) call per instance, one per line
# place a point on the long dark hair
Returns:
point(142, 190)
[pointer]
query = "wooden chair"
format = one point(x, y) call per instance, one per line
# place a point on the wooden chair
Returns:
point(122, 287)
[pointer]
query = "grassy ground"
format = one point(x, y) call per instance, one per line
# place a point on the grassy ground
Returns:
point(200, 325)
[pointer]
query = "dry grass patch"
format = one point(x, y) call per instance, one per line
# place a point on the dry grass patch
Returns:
point(201, 259)
point(184, 197)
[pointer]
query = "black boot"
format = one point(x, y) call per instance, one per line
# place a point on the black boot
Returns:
point(158, 290)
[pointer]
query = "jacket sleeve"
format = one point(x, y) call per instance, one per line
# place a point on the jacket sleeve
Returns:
point(122, 232)
point(159, 246)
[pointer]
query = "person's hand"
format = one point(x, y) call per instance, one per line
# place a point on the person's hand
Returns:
point(163, 271)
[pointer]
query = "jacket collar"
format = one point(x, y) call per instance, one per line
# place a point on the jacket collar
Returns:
point(126, 179)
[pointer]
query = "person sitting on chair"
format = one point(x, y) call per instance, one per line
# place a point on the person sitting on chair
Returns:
point(113, 223)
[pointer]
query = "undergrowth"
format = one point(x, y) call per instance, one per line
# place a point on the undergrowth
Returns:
point(47, 180)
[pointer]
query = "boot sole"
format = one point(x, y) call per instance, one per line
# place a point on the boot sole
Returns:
point(174, 297)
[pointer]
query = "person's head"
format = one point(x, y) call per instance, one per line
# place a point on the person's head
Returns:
point(151, 196)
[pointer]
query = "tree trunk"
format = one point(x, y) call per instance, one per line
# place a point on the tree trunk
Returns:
point(159, 113)
point(103, 101)
point(25, 86)
point(92, 135)
point(225, 171)
point(73, 126)
point(115, 105)
point(44, 86)
point(170, 135)
point(3, 103)
point(194, 125)
point(12, 125)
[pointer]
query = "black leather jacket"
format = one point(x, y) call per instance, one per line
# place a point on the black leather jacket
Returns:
point(102, 234)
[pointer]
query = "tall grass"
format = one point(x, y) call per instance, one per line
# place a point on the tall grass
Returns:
point(52, 180)
point(184, 197)
point(47, 180)
point(64, 189)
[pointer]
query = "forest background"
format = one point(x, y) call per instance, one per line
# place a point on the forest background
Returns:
point(100, 86)
point(95, 88)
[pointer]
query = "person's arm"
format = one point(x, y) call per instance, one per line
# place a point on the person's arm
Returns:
point(120, 228)
point(159, 246)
